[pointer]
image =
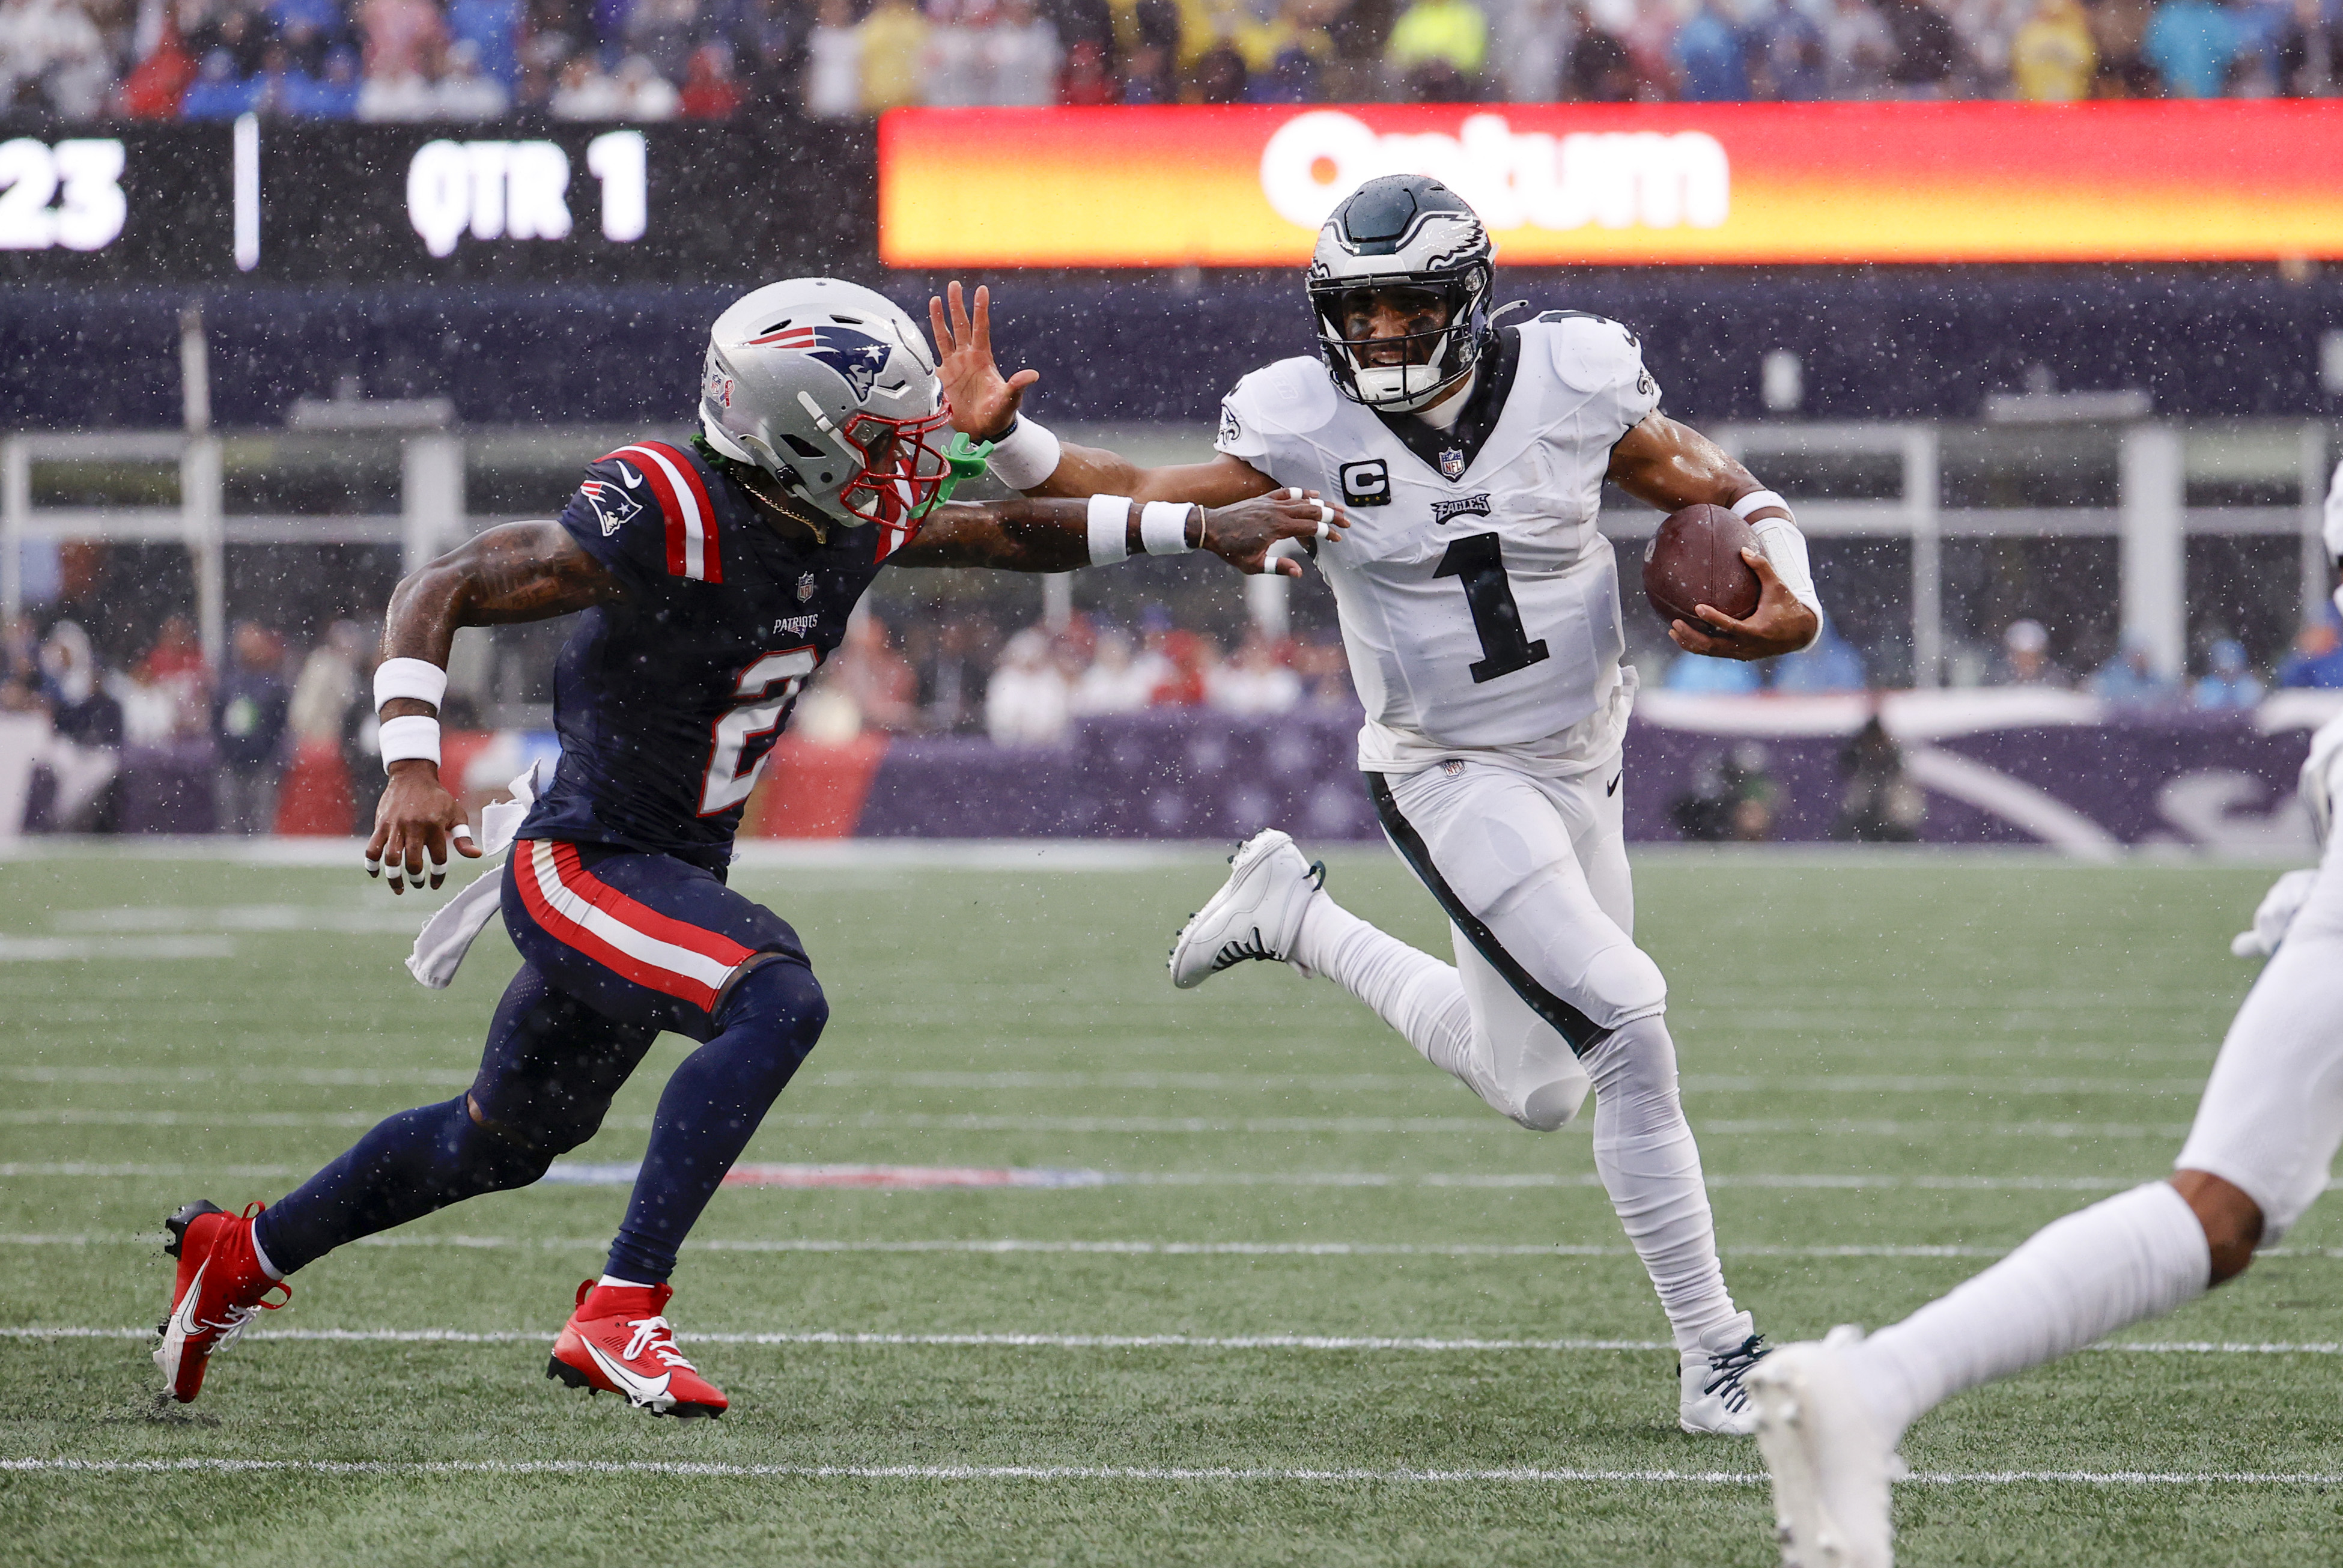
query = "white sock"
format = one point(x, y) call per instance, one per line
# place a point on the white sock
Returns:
point(261, 1257)
point(1410, 990)
point(613, 1283)
point(2138, 1255)
point(1645, 1152)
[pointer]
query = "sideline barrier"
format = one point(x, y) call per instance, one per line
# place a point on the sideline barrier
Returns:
point(2048, 769)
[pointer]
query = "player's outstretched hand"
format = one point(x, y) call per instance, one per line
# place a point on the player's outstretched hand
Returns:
point(981, 402)
point(1779, 624)
point(1245, 535)
point(415, 821)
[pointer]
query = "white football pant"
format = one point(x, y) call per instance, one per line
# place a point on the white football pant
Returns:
point(2269, 1124)
point(1549, 995)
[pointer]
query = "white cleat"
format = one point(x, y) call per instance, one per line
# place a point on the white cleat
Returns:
point(1831, 1467)
point(1713, 1398)
point(1257, 913)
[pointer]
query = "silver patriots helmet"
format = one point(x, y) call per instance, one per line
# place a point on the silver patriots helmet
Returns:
point(1403, 231)
point(831, 388)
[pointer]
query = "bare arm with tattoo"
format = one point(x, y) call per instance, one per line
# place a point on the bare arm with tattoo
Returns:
point(520, 572)
point(1053, 535)
point(1671, 465)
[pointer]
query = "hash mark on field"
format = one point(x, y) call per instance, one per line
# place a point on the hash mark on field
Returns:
point(1361, 1342)
point(1060, 1473)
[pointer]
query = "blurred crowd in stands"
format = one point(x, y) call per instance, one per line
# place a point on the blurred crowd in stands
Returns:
point(957, 675)
point(236, 731)
point(708, 59)
point(2226, 677)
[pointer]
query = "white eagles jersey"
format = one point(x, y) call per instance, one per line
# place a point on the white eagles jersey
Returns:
point(1480, 605)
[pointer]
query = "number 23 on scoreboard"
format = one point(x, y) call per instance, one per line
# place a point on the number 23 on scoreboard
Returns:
point(83, 177)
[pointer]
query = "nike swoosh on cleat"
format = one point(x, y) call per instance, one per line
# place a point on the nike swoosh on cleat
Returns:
point(179, 1327)
point(183, 1316)
point(641, 1390)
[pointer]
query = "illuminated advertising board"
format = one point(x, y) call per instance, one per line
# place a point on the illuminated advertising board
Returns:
point(1624, 184)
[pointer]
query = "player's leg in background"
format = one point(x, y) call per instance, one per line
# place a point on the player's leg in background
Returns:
point(2264, 1135)
point(2257, 1156)
point(764, 1028)
point(652, 939)
point(547, 1076)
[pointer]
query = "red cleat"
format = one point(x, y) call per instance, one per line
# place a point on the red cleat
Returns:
point(618, 1340)
point(218, 1292)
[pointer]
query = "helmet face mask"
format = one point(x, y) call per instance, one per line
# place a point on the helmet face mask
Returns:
point(903, 467)
point(831, 388)
point(1402, 232)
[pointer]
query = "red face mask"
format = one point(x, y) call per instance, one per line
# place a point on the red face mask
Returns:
point(903, 467)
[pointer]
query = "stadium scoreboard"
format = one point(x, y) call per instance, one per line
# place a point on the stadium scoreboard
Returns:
point(268, 201)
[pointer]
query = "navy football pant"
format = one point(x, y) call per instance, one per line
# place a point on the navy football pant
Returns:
point(616, 946)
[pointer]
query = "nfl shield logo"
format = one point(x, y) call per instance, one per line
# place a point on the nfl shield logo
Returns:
point(805, 587)
point(1452, 464)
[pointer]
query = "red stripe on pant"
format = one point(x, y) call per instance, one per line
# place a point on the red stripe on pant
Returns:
point(572, 875)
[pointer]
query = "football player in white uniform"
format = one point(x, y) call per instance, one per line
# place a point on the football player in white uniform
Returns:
point(1480, 608)
point(1830, 1414)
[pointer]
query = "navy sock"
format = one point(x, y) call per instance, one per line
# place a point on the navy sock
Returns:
point(712, 1108)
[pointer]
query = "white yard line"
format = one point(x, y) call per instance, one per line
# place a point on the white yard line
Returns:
point(1524, 1475)
point(1013, 1246)
point(793, 1176)
point(112, 949)
point(877, 1122)
point(1980, 1084)
point(1051, 1473)
point(1372, 1343)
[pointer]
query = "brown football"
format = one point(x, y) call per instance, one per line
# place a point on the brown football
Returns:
point(1695, 559)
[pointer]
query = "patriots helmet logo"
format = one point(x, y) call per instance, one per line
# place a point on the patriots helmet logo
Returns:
point(857, 357)
point(1451, 463)
point(614, 508)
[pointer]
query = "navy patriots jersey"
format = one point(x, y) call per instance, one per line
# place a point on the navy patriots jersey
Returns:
point(668, 702)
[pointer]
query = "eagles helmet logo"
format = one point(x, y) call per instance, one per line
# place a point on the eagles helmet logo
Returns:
point(613, 508)
point(857, 357)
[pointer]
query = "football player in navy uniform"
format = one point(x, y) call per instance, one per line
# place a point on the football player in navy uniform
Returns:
point(709, 581)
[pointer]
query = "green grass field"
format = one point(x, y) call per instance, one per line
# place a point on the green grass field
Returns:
point(1882, 1057)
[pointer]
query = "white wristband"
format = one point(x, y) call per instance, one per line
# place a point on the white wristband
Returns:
point(1110, 529)
point(1757, 501)
point(1785, 551)
point(1028, 455)
point(404, 738)
point(418, 679)
point(1163, 527)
